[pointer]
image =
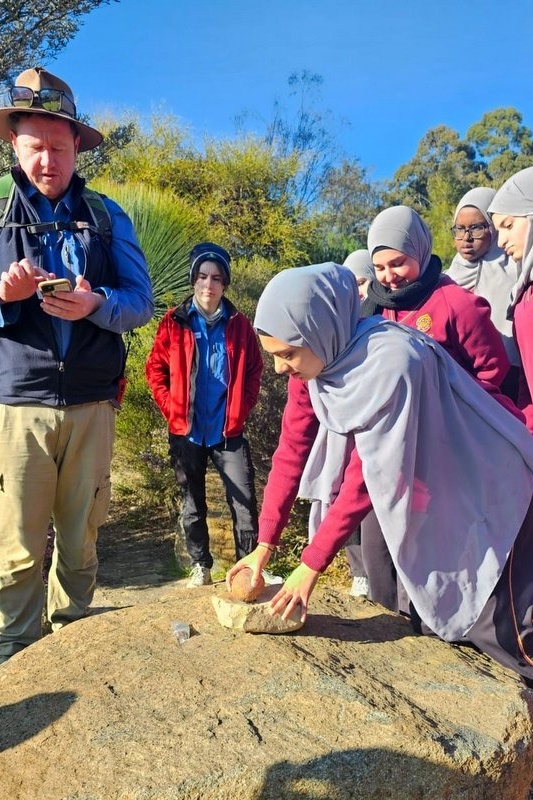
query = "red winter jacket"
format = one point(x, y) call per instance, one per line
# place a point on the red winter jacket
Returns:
point(170, 369)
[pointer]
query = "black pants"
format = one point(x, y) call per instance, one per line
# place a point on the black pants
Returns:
point(232, 460)
point(371, 558)
point(504, 629)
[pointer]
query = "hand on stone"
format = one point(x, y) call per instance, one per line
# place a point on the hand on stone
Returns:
point(256, 561)
point(296, 590)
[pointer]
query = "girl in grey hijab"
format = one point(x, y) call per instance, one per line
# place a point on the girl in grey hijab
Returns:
point(422, 436)
point(400, 228)
point(360, 263)
point(512, 214)
point(480, 265)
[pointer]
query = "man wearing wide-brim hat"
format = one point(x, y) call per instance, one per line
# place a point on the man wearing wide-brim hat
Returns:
point(61, 356)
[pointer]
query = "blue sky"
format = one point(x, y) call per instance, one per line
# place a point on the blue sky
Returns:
point(391, 69)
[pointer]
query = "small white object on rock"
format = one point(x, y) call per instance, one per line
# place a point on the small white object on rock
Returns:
point(254, 617)
point(181, 630)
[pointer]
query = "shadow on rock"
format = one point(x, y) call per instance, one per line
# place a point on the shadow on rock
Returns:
point(20, 721)
point(369, 630)
point(377, 774)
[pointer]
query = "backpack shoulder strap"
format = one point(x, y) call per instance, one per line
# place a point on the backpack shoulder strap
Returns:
point(99, 213)
point(7, 190)
point(94, 200)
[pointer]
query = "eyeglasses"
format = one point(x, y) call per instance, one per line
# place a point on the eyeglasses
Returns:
point(49, 99)
point(472, 232)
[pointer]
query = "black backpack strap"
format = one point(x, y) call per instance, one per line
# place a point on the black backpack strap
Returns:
point(94, 200)
point(99, 213)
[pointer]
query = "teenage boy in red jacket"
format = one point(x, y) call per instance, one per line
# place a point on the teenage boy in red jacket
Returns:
point(204, 372)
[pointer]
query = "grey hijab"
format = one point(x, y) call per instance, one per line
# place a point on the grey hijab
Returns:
point(401, 228)
point(493, 276)
point(360, 263)
point(515, 198)
point(422, 428)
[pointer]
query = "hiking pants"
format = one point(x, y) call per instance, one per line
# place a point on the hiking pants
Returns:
point(232, 460)
point(54, 465)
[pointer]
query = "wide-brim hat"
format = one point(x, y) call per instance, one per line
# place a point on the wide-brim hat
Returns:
point(37, 79)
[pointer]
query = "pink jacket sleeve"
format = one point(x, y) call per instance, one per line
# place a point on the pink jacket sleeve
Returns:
point(299, 427)
point(298, 431)
point(348, 510)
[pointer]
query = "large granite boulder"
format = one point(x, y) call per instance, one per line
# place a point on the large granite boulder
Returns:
point(353, 705)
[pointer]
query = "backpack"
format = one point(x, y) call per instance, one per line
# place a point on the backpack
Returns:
point(99, 214)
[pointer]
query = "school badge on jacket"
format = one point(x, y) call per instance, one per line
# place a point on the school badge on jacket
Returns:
point(424, 323)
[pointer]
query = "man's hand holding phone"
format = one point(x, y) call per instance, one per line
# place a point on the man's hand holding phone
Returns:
point(61, 299)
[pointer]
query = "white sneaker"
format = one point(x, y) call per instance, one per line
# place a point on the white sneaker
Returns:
point(360, 587)
point(270, 578)
point(200, 576)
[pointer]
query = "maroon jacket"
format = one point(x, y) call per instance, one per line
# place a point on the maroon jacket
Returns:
point(170, 370)
point(523, 331)
point(460, 322)
point(299, 427)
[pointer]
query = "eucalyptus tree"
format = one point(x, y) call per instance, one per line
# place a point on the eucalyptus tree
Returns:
point(348, 202)
point(442, 152)
point(33, 32)
point(502, 142)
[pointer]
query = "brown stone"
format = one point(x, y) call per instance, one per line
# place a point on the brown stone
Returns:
point(241, 586)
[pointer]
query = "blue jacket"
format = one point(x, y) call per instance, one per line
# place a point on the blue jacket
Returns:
point(31, 369)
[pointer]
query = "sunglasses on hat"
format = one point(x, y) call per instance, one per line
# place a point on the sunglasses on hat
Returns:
point(54, 100)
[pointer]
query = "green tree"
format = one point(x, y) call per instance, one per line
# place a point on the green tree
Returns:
point(503, 142)
point(33, 32)
point(156, 154)
point(348, 202)
point(442, 200)
point(241, 188)
point(246, 200)
point(440, 150)
point(116, 137)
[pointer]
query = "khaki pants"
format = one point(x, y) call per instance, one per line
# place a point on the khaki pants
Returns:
point(54, 464)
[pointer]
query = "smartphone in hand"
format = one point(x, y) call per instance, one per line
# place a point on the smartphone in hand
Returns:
point(53, 286)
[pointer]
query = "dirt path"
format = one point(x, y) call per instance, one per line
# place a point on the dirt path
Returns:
point(137, 563)
point(141, 559)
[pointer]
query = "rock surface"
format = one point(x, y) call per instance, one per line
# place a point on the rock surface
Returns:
point(353, 705)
